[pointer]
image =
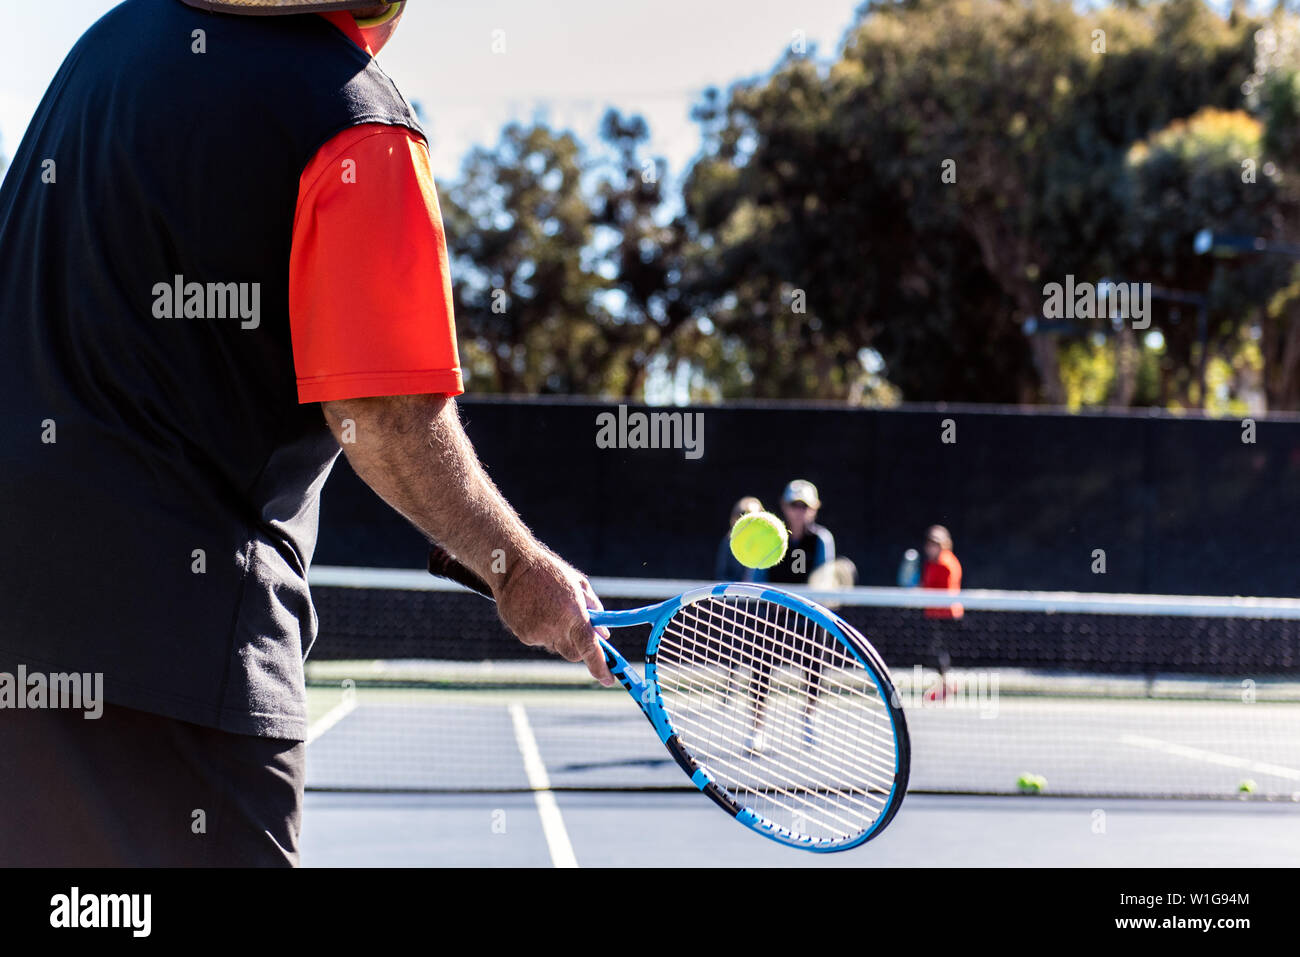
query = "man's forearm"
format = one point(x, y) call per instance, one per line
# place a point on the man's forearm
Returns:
point(413, 452)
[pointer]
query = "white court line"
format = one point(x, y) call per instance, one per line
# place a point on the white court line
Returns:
point(333, 716)
point(1210, 757)
point(557, 838)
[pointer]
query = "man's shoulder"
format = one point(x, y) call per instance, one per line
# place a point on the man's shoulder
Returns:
point(821, 531)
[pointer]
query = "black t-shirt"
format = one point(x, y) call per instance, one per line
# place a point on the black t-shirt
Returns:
point(159, 481)
point(813, 549)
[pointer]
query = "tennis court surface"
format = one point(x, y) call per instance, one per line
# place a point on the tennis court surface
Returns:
point(438, 740)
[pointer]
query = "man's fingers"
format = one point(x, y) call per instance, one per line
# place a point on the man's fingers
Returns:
point(593, 604)
point(559, 622)
point(592, 601)
point(582, 639)
point(596, 664)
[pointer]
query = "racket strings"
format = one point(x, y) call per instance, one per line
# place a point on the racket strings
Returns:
point(876, 760)
point(849, 761)
point(719, 653)
point(721, 719)
point(830, 796)
point(720, 650)
point(749, 619)
point(781, 714)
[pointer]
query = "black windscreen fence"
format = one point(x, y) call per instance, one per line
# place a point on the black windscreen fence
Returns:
point(1109, 503)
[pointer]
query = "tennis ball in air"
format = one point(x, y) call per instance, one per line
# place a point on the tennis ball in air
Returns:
point(758, 540)
point(1247, 786)
point(1031, 783)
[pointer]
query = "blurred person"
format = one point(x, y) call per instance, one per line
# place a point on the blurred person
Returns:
point(184, 438)
point(835, 575)
point(810, 545)
point(909, 569)
point(941, 571)
point(726, 568)
point(809, 559)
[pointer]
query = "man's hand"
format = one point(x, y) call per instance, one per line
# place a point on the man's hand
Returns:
point(413, 452)
point(546, 602)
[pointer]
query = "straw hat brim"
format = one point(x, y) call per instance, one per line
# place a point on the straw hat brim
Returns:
point(278, 7)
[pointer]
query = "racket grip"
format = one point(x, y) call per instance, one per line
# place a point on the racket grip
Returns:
point(444, 566)
point(616, 662)
point(618, 667)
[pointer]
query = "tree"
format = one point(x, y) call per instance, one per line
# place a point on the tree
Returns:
point(956, 158)
point(526, 294)
point(641, 253)
point(1205, 172)
point(883, 226)
point(1273, 94)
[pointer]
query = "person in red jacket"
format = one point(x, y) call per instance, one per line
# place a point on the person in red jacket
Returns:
point(942, 571)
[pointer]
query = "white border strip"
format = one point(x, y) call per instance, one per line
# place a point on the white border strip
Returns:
point(557, 838)
point(650, 589)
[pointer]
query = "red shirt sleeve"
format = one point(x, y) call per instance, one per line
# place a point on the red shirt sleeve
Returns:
point(370, 306)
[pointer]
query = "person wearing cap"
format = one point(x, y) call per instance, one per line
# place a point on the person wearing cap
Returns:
point(810, 545)
point(221, 261)
point(810, 550)
point(725, 566)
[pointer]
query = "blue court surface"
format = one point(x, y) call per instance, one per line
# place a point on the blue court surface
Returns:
point(622, 829)
point(496, 775)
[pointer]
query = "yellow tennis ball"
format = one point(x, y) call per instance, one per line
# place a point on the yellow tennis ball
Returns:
point(758, 540)
point(1031, 783)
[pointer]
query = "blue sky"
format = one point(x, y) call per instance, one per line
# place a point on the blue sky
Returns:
point(565, 60)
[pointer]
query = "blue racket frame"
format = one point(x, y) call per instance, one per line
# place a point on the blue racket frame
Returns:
point(645, 691)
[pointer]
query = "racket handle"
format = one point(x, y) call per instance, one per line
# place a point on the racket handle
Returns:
point(444, 566)
point(617, 664)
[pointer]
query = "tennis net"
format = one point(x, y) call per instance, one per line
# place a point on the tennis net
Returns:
point(414, 685)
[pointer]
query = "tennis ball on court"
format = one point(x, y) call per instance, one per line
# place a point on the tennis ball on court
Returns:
point(758, 540)
point(1247, 786)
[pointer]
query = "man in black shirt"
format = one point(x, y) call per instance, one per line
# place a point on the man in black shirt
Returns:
point(810, 547)
point(159, 475)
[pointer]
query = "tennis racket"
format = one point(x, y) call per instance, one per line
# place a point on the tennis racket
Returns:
point(775, 707)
